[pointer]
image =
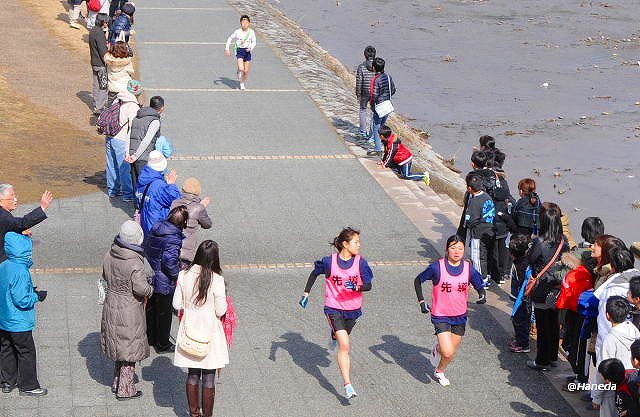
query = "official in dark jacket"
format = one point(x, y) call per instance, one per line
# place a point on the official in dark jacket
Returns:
point(8, 223)
point(162, 249)
point(97, 50)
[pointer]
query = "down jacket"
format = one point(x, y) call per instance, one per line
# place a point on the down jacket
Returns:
point(124, 327)
point(158, 199)
point(119, 72)
point(364, 75)
point(17, 296)
point(379, 90)
point(197, 216)
point(120, 24)
point(162, 249)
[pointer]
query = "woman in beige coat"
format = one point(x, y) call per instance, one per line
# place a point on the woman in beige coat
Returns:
point(119, 69)
point(200, 292)
point(124, 327)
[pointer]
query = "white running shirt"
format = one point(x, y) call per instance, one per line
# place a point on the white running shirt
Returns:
point(239, 38)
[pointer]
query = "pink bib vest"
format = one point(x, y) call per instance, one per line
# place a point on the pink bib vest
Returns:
point(449, 296)
point(337, 295)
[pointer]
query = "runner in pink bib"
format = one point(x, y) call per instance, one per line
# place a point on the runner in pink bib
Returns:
point(347, 276)
point(451, 277)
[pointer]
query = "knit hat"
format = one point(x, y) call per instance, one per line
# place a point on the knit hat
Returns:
point(157, 161)
point(635, 249)
point(131, 233)
point(134, 87)
point(128, 8)
point(191, 186)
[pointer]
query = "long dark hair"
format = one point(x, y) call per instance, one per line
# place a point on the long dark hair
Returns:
point(453, 240)
point(345, 236)
point(208, 258)
point(550, 223)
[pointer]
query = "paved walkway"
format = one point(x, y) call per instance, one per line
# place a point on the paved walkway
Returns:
point(282, 185)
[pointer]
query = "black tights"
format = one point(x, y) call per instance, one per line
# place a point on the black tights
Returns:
point(208, 377)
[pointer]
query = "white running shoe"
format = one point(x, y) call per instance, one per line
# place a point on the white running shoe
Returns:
point(349, 391)
point(242, 86)
point(442, 380)
point(434, 357)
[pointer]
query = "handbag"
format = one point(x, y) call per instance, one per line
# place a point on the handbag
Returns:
point(103, 80)
point(193, 342)
point(386, 107)
point(533, 281)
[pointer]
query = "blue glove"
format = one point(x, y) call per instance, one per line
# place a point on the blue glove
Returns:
point(350, 285)
point(303, 301)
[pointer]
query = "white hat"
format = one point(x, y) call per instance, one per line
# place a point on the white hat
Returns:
point(157, 161)
point(131, 233)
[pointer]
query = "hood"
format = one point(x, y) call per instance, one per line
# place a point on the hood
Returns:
point(18, 248)
point(148, 175)
point(369, 64)
point(126, 97)
point(147, 111)
point(122, 250)
point(114, 62)
point(616, 282)
point(165, 228)
point(191, 198)
point(626, 333)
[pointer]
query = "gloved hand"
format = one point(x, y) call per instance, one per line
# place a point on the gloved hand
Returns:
point(482, 299)
point(41, 295)
point(304, 301)
point(350, 285)
point(424, 308)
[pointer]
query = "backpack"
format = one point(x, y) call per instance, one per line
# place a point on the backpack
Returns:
point(108, 123)
point(94, 5)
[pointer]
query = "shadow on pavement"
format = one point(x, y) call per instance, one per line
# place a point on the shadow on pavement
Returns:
point(233, 84)
point(86, 98)
point(99, 367)
point(309, 356)
point(168, 384)
point(532, 383)
point(408, 357)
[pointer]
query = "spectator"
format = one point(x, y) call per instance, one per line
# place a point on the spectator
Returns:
point(364, 75)
point(124, 329)
point(118, 170)
point(157, 193)
point(121, 26)
point(18, 318)
point(543, 252)
point(624, 400)
point(119, 70)
point(633, 296)
point(74, 13)
point(104, 9)
point(98, 50)
point(162, 249)
point(8, 223)
point(145, 131)
point(115, 7)
point(382, 89)
point(526, 211)
point(397, 156)
point(198, 216)
point(601, 252)
point(521, 316)
point(201, 293)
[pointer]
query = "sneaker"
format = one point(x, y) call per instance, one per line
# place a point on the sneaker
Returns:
point(138, 394)
point(501, 281)
point(426, 179)
point(333, 344)
point(442, 380)
point(38, 392)
point(363, 135)
point(74, 25)
point(534, 365)
point(242, 87)
point(349, 391)
point(374, 153)
point(170, 348)
point(7, 388)
point(486, 282)
point(515, 348)
point(434, 357)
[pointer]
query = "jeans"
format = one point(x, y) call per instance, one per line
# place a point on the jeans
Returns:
point(99, 96)
point(118, 170)
point(375, 137)
point(405, 172)
point(363, 115)
point(18, 360)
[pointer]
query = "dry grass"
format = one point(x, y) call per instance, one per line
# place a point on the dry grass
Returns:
point(41, 151)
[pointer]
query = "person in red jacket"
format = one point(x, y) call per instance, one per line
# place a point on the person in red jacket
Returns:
point(398, 157)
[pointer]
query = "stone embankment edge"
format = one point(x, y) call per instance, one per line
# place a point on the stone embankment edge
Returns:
point(443, 179)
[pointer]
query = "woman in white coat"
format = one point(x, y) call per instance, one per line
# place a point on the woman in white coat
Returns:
point(200, 292)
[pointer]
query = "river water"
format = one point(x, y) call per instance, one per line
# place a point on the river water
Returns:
point(556, 83)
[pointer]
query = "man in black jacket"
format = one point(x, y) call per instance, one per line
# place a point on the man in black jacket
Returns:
point(98, 49)
point(8, 223)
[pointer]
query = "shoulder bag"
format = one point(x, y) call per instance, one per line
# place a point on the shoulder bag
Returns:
point(193, 342)
point(533, 281)
point(386, 107)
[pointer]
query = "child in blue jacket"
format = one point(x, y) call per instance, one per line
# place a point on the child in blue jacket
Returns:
point(18, 298)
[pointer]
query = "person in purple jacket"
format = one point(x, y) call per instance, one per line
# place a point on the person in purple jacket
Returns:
point(451, 277)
